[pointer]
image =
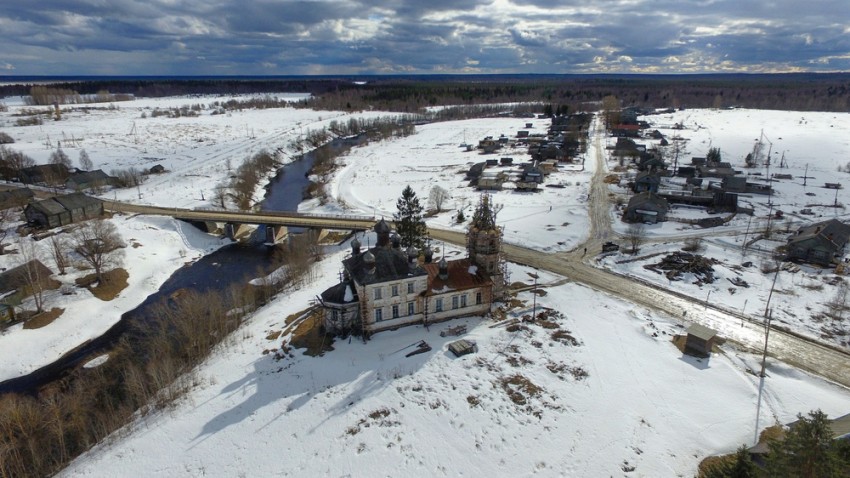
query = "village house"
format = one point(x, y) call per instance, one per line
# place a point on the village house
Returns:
point(90, 180)
point(646, 181)
point(646, 207)
point(47, 174)
point(818, 243)
point(63, 210)
point(386, 287)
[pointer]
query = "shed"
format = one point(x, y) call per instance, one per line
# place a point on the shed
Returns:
point(63, 210)
point(700, 340)
point(463, 347)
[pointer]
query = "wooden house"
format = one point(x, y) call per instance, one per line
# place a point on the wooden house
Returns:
point(90, 180)
point(646, 207)
point(15, 281)
point(646, 181)
point(700, 340)
point(48, 174)
point(818, 243)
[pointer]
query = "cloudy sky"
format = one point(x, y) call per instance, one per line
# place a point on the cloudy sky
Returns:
point(298, 37)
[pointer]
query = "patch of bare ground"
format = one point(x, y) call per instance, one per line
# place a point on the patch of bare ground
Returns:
point(565, 337)
point(113, 283)
point(43, 319)
point(519, 388)
point(561, 370)
point(310, 335)
point(379, 417)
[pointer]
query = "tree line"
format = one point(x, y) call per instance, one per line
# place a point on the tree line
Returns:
point(790, 91)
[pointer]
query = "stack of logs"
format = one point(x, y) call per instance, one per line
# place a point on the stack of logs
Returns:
point(678, 263)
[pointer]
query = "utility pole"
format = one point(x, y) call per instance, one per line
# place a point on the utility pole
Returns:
point(744, 245)
point(767, 318)
point(534, 292)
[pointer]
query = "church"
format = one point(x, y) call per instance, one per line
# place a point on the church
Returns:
point(386, 287)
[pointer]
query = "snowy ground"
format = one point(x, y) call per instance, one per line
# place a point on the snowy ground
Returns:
point(362, 410)
point(812, 147)
point(367, 410)
point(551, 219)
point(194, 150)
point(801, 297)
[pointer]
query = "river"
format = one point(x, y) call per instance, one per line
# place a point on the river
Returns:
point(235, 263)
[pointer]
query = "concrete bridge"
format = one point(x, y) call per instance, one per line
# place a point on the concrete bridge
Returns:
point(277, 223)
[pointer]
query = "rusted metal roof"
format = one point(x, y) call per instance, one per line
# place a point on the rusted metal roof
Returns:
point(462, 275)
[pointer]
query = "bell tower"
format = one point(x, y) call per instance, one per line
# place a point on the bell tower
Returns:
point(484, 244)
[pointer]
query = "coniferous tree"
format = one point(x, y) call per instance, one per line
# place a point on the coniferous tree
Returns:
point(408, 220)
point(807, 450)
point(741, 467)
point(713, 155)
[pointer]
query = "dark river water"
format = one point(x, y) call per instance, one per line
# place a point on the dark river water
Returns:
point(235, 263)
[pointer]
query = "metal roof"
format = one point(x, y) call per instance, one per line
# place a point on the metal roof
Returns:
point(701, 332)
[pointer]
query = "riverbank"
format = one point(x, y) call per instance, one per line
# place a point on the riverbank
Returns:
point(156, 248)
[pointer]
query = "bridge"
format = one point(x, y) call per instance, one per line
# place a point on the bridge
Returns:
point(276, 222)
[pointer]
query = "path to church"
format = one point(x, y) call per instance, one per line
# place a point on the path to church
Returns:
point(796, 350)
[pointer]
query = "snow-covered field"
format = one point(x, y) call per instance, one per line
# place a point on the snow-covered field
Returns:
point(363, 410)
point(520, 407)
point(552, 219)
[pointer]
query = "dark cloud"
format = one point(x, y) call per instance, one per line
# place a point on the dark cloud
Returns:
point(358, 36)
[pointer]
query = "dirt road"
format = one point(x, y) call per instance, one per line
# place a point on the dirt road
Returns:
point(802, 352)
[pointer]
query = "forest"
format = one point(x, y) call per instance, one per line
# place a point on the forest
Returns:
point(793, 91)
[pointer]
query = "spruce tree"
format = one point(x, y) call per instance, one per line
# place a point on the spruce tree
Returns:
point(806, 451)
point(408, 220)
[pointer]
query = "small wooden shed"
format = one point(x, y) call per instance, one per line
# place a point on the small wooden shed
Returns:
point(700, 340)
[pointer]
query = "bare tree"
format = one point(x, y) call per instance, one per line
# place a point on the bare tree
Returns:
point(99, 244)
point(438, 197)
point(34, 274)
point(6, 219)
point(220, 195)
point(59, 157)
point(85, 162)
point(59, 251)
point(15, 160)
point(635, 236)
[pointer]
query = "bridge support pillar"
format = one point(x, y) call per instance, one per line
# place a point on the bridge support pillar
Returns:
point(275, 234)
